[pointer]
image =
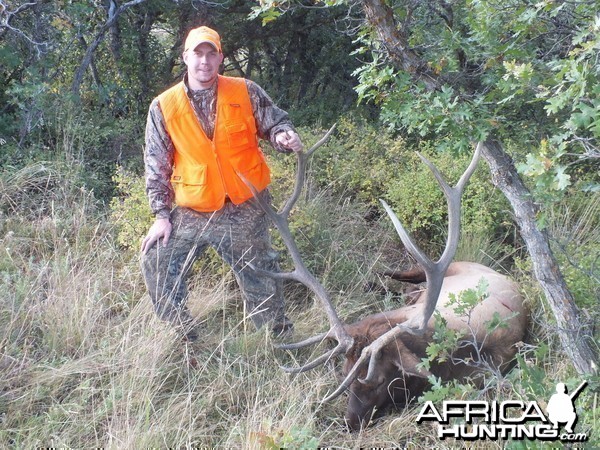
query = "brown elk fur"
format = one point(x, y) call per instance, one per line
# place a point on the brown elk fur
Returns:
point(398, 379)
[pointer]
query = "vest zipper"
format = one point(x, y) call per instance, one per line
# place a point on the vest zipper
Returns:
point(214, 148)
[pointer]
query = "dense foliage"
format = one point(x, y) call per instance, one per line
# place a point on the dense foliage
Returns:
point(508, 69)
point(57, 52)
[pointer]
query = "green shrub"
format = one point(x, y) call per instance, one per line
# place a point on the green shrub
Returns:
point(358, 162)
point(420, 205)
point(130, 212)
point(574, 228)
point(363, 163)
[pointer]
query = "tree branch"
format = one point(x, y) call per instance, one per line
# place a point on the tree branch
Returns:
point(381, 17)
point(87, 59)
point(6, 16)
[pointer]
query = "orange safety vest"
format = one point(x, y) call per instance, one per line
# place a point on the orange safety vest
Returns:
point(205, 171)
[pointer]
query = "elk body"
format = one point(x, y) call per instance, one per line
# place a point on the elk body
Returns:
point(397, 378)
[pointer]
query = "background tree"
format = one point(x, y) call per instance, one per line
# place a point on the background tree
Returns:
point(112, 57)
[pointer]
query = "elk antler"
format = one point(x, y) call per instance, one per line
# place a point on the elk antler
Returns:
point(434, 272)
point(300, 273)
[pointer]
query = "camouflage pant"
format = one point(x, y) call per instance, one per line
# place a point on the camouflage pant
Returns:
point(240, 235)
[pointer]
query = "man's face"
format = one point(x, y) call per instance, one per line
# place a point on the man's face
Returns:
point(203, 65)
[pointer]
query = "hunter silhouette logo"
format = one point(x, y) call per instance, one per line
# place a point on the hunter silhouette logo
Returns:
point(512, 419)
point(561, 408)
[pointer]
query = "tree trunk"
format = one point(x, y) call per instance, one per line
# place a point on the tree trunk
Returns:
point(380, 15)
point(93, 68)
point(575, 334)
point(85, 62)
point(144, 25)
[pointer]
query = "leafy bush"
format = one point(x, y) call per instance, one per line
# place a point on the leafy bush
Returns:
point(364, 163)
point(358, 162)
point(574, 227)
point(130, 212)
point(420, 205)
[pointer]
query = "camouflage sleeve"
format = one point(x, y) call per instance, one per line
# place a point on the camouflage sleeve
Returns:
point(270, 119)
point(158, 163)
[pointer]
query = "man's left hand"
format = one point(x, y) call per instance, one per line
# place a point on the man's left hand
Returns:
point(289, 140)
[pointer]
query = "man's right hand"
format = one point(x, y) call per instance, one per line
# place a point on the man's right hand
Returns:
point(161, 228)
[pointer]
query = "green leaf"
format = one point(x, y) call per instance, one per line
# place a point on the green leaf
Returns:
point(563, 179)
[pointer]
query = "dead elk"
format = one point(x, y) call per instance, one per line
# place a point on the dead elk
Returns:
point(398, 377)
point(383, 351)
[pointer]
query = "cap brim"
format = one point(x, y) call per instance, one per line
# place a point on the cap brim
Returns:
point(192, 47)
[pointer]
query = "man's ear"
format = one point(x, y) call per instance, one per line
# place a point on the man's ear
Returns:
point(184, 56)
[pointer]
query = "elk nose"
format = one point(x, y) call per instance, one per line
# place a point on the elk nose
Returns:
point(354, 421)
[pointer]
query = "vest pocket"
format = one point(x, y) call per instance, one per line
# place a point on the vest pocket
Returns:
point(190, 174)
point(189, 183)
point(238, 135)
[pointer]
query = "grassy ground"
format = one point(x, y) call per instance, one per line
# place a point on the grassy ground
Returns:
point(84, 362)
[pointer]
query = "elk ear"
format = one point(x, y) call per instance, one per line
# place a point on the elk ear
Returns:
point(407, 362)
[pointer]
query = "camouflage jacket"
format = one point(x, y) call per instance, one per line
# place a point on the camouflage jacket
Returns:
point(159, 149)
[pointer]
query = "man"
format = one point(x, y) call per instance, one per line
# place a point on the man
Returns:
point(561, 409)
point(200, 135)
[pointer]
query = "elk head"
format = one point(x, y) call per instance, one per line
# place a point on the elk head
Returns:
point(397, 376)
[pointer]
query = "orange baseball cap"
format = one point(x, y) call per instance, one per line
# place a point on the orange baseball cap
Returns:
point(201, 35)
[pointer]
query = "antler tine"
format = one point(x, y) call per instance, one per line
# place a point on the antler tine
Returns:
point(305, 343)
point(454, 207)
point(472, 166)
point(303, 158)
point(342, 387)
point(338, 350)
point(406, 239)
point(350, 377)
point(453, 196)
point(321, 141)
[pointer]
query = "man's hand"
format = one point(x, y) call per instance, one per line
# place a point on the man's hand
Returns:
point(289, 140)
point(161, 228)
